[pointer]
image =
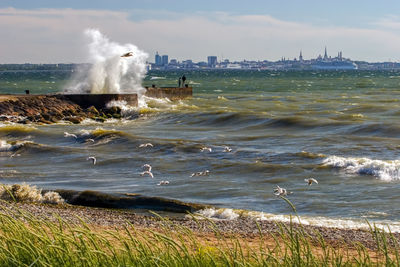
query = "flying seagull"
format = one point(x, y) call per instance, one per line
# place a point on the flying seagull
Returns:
point(148, 171)
point(279, 191)
point(209, 149)
point(227, 149)
point(93, 159)
point(129, 54)
point(146, 145)
point(310, 181)
point(66, 134)
point(203, 173)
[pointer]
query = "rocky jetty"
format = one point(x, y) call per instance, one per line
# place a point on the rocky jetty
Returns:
point(50, 109)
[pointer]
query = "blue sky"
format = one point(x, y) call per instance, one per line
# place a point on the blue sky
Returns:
point(44, 31)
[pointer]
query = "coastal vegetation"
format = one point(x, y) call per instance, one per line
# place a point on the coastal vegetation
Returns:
point(28, 240)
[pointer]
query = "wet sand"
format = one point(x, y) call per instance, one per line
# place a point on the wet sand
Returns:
point(243, 228)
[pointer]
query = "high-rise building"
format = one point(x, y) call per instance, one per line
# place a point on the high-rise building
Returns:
point(212, 61)
point(164, 60)
point(158, 59)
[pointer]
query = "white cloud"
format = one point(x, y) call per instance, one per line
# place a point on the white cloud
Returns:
point(55, 35)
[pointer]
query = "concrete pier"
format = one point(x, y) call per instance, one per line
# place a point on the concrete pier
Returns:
point(99, 101)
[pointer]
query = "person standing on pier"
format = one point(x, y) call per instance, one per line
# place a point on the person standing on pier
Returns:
point(179, 82)
point(183, 80)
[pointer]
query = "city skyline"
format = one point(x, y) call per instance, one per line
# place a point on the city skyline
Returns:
point(45, 31)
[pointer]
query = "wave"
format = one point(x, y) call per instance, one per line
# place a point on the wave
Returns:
point(383, 170)
point(11, 146)
point(16, 129)
point(251, 121)
point(375, 129)
point(342, 223)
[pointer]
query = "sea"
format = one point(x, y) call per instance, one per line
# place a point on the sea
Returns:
point(252, 130)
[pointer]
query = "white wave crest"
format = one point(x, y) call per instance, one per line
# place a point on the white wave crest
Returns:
point(126, 110)
point(219, 214)
point(383, 170)
point(12, 146)
point(342, 223)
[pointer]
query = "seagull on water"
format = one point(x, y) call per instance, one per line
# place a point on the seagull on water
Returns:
point(310, 181)
point(163, 183)
point(279, 191)
point(203, 173)
point(209, 149)
point(93, 159)
point(66, 134)
point(129, 54)
point(146, 145)
point(89, 140)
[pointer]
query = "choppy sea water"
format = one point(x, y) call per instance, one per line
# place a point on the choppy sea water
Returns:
point(341, 128)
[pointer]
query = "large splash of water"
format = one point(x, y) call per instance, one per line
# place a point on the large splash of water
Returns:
point(108, 72)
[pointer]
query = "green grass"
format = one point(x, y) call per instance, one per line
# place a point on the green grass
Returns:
point(26, 240)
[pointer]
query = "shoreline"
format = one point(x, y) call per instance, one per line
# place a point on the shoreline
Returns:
point(244, 228)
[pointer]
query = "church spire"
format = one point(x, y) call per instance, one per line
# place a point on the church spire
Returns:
point(301, 56)
point(326, 54)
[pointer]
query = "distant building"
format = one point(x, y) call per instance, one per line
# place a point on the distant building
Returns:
point(158, 60)
point(212, 61)
point(164, 60)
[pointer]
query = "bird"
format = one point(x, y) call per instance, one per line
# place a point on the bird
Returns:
point(209, 149)
point(203, 173)
point(310, 181)
point(146, 145)
point(93, 159)
point(279, 191)
point(148, 166)
point(129, 54)
point(163, 183)
point(66, 134)
point(227, 149)
point(90, 140)
point(147, 172)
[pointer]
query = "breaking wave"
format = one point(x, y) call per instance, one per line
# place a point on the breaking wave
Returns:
point(383, 170)
point(342, 223)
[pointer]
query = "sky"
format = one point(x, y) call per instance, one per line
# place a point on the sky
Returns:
point(51, 31)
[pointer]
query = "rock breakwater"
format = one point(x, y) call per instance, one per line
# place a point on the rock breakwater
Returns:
point(49, 109)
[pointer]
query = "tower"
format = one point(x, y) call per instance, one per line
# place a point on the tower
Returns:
point(158, 59)
point(325, 54)
point(301, 56)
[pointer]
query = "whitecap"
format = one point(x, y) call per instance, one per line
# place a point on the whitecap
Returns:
point(383, 170)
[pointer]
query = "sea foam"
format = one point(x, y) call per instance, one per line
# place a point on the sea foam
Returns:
point(383, 170)
point(342, 223)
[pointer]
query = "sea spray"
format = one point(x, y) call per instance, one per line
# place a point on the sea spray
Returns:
point(108, 72)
